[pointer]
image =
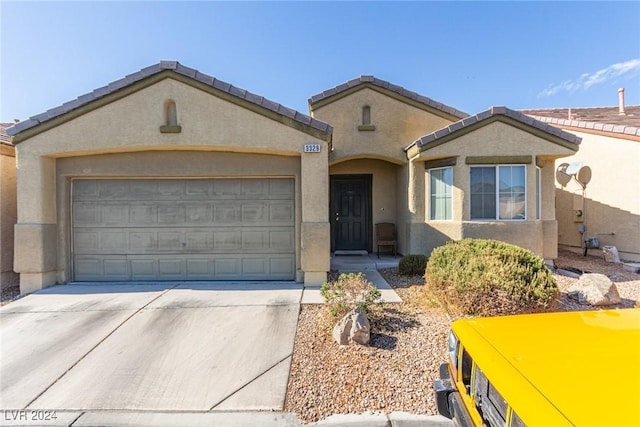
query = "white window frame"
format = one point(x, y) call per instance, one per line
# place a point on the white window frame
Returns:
point(450, 199)
point(497, 193)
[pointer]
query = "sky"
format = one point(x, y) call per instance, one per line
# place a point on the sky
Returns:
point(468, 55)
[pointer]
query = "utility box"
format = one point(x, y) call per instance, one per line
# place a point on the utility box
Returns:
point(578, 207)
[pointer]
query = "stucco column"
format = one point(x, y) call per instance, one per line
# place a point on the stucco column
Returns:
point(415, 227)
point(36, 230)
point(315, 235)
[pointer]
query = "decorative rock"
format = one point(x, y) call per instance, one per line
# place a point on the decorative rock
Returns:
point(353, 328)
point(633, 267)
point(611, 254)
point(595, 289)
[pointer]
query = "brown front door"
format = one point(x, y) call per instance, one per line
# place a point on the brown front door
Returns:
point(350, 212)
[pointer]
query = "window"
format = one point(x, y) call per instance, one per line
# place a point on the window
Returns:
point(466, 366)
point(440, 184)
point(498, 192)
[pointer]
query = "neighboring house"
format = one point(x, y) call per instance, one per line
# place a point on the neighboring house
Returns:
point(8, 277)
point(170, 174)
point(611, 201)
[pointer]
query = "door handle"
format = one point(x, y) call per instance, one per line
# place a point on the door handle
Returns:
point(337, 216)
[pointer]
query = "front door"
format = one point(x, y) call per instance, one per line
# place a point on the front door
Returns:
point(350, 212)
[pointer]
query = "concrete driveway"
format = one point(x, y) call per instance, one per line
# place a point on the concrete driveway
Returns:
point(149, 347)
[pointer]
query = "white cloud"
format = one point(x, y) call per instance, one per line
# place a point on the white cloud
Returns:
point(586, 80)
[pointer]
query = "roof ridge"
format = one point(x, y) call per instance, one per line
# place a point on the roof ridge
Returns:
point(371, 79)
point(491, 112)
point(180, 69)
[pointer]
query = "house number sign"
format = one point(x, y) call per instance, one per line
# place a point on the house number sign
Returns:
point(312, 148)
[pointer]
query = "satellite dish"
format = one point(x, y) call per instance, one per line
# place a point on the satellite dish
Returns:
point(562, 176)
point(574, 168)
point(584, 175)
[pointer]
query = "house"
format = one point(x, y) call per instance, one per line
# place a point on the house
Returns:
point(608, 208)
point(8, 278)
point(171, 174)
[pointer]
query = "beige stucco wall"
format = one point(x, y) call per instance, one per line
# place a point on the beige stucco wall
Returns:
point(495, 139)
point(211, 125)
point(8, 277)
point(612, 198)
point(397, 124)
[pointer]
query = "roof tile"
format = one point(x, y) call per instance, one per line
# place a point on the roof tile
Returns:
point(204, 78)
point(223, 86)
point(189, 72)
point(237, 91)
point(273, 106)
point(168, 65)
point(100, 92)
point(252, 97)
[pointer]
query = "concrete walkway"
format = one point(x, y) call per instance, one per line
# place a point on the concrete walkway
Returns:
point(367, 264)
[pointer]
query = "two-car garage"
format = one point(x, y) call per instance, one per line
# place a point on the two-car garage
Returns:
point(171, 175)
point(183, 229)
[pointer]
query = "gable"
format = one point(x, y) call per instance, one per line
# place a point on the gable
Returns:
point(393, 124)
point(493, 141)
point(154, 74)
point(498, 128)
point(386, 88)
point(134, 122)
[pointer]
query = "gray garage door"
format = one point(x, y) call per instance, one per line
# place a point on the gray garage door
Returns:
point(183, 229)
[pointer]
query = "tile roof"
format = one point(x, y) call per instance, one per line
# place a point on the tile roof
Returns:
point(178, 68)
point(4, 137)
point(492, 112)
point(604, 119)
point(374, 81)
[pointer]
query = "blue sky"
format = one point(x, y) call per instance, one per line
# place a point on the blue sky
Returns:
point(469, 55)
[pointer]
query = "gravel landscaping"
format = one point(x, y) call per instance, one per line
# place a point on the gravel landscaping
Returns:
point(395, 372)
point(9, 294)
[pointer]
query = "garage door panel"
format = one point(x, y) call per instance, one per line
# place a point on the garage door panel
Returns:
point(184, 189)
point(104, 213)
point(182, 267)
point(186, 229)
point(132, 241)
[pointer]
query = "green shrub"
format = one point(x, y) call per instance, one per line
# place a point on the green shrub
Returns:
point(412, 264)
point(488, 277)
point(350, 290)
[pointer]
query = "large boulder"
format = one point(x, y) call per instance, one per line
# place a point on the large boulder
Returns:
point(595, 289)
point(353, 328)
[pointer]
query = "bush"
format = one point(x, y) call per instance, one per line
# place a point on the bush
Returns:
point(349, 291)
point(412, 264)
point(488, 277)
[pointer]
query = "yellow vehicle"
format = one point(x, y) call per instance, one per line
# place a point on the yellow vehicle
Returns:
point(551, 369)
